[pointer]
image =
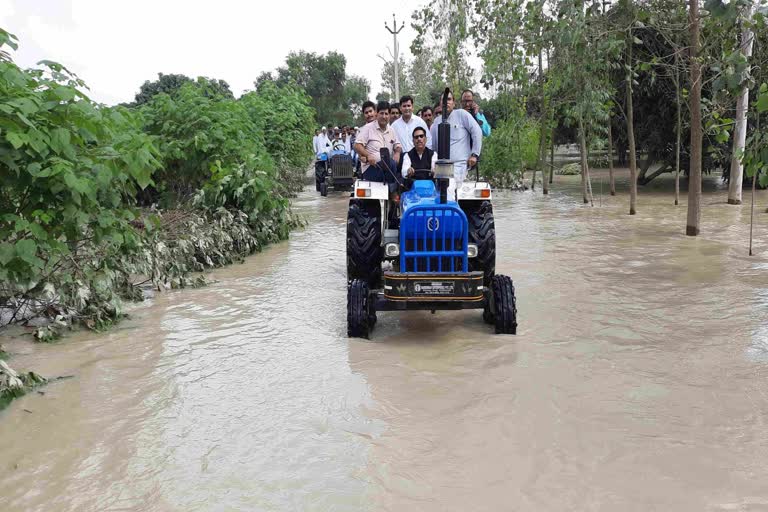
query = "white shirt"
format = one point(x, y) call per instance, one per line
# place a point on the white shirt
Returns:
point(323, 144)
point(407, 162)
point(466, 138)
point(404, 132)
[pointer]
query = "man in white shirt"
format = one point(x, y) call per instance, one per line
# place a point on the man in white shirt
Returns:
point(315, 140)
point(405, 125)
point(466, 139)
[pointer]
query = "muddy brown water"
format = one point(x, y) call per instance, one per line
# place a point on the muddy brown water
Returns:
point(638, 380)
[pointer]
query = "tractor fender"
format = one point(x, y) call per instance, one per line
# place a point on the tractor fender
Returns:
point(372, 190)
point(474, 191)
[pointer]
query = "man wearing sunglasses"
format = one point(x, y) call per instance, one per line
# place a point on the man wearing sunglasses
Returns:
point(420, 157)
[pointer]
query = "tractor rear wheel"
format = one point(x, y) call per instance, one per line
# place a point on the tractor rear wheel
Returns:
point(364, 251)
point(360, 314)
point(504, 305)
point(482, 232)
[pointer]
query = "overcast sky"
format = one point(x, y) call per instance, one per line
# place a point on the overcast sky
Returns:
point(114, 45)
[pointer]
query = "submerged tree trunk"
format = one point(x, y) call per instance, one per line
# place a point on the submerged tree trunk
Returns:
point(584, 163)
point(694, 178)
point(740, 130)
point(678, 131)
point(552, 157)
point(631, 130)
point(611, 181)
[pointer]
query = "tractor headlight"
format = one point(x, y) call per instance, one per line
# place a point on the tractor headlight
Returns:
point(471, 251)
point(363, 192)
point(392, 250)
point(483, 193)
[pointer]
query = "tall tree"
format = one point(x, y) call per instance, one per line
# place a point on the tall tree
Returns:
point(694, 177)
point(334, 95)
point(742, 102)
point(630, 113)
point(444, 27)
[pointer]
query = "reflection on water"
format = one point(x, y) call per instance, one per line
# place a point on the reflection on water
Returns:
point(637, 380)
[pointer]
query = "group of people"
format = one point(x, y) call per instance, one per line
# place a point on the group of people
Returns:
point(330, 138)
point(410, 139)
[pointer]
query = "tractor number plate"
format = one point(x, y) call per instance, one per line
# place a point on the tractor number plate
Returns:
point(433, 288)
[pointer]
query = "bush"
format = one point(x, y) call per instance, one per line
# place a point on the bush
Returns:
point(70, 169)
point(572, 169)
point(509, 151)
point(284, 117)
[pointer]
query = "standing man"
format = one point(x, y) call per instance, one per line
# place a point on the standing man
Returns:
point(468, 104)
point(466, 139)
point(373, 137)
point(314, 141)
point(394, 112)
point(369, 111)
point(427, 115)
point(404, 126)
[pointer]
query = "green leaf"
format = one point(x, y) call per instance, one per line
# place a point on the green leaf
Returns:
point(26, 251)
point(17, 139)
point(762, 103)
point(7, 253)
point(60, 139)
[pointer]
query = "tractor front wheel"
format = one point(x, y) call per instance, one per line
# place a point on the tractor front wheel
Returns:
point(364, 251)
point(482, 233)
point(323, 189)
point(503, 305)
point(361, 315)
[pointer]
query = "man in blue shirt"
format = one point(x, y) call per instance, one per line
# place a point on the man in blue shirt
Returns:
point(468, 104)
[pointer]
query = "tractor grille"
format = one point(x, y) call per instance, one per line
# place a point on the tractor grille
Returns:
point(433, 239)
point(341, 166)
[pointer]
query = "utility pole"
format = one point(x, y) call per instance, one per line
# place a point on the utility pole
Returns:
point(394, 31)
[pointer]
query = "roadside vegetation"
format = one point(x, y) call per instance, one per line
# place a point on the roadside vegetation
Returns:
point(99, 203)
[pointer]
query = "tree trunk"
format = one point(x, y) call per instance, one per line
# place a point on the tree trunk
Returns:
point(740, 130)
point(631, 129)
point(678, 130)
point(694, 178)
point(611, 181)
point(543, 128)
point(552, 158)
point(584, 162)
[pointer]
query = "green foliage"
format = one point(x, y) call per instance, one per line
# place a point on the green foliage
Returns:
point(14, 384)
point(755, 157)
point(510, 150)
point(284, 116)
point(572, 169)
point(69, 169)
point(336, 97)
point(170, 84)
point(72, 243)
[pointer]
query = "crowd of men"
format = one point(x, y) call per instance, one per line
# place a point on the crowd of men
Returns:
point(411, 140)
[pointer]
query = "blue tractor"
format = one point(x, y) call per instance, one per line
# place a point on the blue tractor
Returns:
point(334, 169)
point(437, 243)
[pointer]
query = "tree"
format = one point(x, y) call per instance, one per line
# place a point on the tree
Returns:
point(171, 83)
point(694, 176)
point(740, 132)
point(334, 95)
point(443, 27)
point(388, 77)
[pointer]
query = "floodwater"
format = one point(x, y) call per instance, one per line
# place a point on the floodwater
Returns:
point(638, 380)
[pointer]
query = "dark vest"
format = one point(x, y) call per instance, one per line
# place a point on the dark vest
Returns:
point(423, 162)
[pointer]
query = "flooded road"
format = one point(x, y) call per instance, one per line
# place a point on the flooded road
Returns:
point(638, 380)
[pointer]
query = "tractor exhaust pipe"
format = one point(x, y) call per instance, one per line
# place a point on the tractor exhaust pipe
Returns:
point(444, 145)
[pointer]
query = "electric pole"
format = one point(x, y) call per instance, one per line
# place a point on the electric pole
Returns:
point(394, 31)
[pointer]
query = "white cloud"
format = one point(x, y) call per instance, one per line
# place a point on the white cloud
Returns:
point(115, 46)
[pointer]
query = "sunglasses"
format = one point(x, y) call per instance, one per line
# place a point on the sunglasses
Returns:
point(419, 136)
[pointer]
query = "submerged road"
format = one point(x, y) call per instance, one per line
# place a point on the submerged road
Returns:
point(638, 380)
